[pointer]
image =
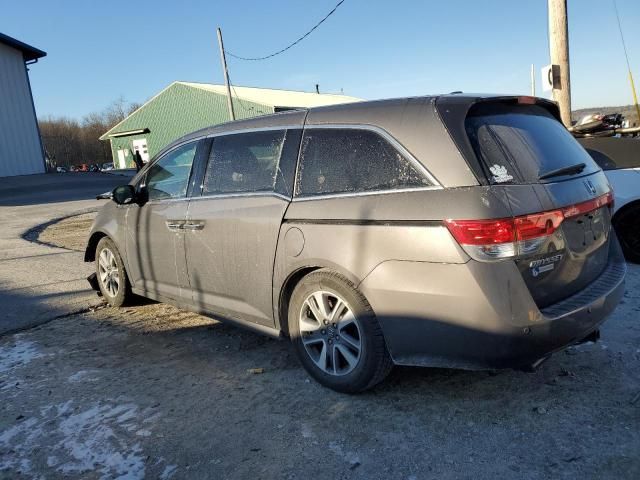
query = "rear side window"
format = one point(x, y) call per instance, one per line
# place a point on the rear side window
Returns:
point(518, 144)
point(244, 162)
point(352, 161)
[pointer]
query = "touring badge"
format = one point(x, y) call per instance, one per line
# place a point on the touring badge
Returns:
point(544, 264)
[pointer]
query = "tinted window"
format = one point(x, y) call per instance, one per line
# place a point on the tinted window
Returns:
point(169, 176)
point(244, 162)
point(518, 144)
point(349, 161)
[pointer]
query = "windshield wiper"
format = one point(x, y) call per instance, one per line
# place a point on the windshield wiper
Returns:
point(570, 170)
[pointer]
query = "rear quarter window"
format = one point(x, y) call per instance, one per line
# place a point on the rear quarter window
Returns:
point(520, 143)
point(337, 161)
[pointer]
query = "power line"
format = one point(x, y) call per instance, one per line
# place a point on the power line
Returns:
point(244, 105)
point(291, 44)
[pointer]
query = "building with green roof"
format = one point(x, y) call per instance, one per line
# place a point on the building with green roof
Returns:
point(183, 107)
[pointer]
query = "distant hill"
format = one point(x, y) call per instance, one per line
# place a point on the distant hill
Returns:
point(629, 112)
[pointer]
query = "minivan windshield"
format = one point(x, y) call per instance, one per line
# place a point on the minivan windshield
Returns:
point(524, 144)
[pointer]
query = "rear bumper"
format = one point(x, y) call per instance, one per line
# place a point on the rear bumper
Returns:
point(478, 315)
point(561, 325)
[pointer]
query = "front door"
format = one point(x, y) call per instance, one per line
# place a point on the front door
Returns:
point(140, 145)
point(155, 234)
point(122, 163)
point(232, 229)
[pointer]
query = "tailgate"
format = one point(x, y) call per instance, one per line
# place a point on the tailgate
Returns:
point(559, 197)
point(579, 250)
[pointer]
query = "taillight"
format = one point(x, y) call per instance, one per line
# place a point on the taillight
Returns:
point(482, 232)
point(509, 237)
point(588, 206)
point(485, 239)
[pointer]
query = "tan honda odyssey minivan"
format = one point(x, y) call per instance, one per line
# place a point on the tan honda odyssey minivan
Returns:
point(461, 231)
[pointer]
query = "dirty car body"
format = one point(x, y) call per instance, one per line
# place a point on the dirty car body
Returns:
point(473, 227)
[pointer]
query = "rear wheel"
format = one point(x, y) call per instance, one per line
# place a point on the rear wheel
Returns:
point(627, 226)
point(112, 276)
point(336, 334)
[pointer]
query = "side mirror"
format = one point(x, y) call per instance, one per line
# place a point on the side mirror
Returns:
point(124, 194)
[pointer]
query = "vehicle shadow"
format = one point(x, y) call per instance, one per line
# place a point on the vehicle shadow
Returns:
point(23, 308)
point(203, 342)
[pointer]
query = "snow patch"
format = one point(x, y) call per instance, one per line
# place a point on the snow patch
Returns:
point(91, 443)
point(83, 376)
point(79, 441)
point(306, 431)
point(17, 438)
point(350, 457)
point(168, 472)
point(17, 354)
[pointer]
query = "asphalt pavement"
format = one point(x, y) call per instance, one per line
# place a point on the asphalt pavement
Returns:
point(37, 282)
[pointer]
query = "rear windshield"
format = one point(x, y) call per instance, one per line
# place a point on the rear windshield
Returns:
point(520, 143)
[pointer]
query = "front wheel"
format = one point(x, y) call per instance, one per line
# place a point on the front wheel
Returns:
point(336, 334)
point(112, 276)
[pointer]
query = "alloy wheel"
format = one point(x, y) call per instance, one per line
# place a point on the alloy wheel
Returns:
point(108, 272)
point(330, 333)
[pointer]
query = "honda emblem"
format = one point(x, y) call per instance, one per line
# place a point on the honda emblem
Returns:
point(590, 188)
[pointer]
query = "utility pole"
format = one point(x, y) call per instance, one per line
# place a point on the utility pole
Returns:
point(223, 58)
point(559, 50)
point(533, 80)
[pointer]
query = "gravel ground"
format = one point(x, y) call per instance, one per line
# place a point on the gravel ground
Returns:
point(152, 391)
point(70, 233)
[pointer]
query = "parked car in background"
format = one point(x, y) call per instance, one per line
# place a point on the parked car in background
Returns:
point(94, 168)
point(61, 170)
point(83, 168)
point(107, 167)
point(72, 168)
point(455, 231)
point(620, 160)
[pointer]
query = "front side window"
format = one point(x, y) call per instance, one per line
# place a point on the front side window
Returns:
point(351, 161)
point(169, 176)
point(244, 162)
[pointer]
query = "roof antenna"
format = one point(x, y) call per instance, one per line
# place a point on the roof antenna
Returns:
point(318, 88)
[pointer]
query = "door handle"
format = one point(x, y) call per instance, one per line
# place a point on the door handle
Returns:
point(193, 225)
point(175, 225)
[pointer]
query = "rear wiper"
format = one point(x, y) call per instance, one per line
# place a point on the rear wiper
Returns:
point(570, 170)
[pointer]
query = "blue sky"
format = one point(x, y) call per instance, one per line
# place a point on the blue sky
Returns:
point(98, 51)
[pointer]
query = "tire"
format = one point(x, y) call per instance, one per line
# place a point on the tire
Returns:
point(328, 314)
point(111, 273)
point(627, 227)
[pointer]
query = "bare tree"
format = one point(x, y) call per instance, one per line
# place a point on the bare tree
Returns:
point(71, 142)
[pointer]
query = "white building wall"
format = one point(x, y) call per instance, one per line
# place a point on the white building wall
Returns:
point(20, 148)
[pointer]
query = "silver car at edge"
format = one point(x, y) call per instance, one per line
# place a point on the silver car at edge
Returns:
point(458, 231)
